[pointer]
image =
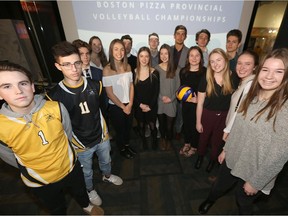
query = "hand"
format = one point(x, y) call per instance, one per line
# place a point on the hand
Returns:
point(146, 109)
point(225, 136)
point(249, 190)
point(127, 109)
point(143, 107)
point(199, 127)
point(193, 100)
point(166, 99)
point(221, 157)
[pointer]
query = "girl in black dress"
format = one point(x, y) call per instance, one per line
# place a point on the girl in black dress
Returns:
point(146, 95)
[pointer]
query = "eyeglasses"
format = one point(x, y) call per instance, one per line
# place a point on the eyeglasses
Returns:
point(68, 65)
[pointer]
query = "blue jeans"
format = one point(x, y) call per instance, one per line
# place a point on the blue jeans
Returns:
point(102, 151)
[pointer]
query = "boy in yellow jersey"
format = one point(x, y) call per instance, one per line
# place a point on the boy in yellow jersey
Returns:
point(38, 133)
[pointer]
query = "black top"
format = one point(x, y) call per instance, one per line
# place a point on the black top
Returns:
point(191, 79)
point(147, 92)
point(215, 102)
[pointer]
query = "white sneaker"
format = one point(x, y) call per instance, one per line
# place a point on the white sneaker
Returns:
point(93, 210)
point(116, 180)
point(94, 198)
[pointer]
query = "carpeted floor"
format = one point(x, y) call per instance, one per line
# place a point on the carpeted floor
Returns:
point(155, 183)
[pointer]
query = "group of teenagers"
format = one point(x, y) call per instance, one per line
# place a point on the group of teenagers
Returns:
point(237, 114)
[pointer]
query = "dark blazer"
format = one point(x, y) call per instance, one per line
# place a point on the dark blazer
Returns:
point(96, 73)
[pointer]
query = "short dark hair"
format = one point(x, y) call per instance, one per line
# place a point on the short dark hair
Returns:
point(78, 43)
point(10, 66)
point(180, 27)
point(235, 32)
point(62, 49)
point(126, 37)
point(153, 34)
point(203, 31)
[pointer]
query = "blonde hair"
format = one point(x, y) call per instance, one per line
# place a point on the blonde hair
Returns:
point(227, 87)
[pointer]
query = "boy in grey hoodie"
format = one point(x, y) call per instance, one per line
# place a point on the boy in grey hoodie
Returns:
point(38, 134)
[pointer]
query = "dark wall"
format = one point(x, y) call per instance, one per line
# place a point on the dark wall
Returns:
point(42, 19)
point(282, 36)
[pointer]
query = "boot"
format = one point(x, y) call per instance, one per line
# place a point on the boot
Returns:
point(168, 145)
point(162, 144)
point(143, 138)
point(210, 166)
point(154, 139)
point(199, 161)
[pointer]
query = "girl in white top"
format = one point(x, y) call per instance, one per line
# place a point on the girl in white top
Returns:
point(118, 82)
point(246, 65)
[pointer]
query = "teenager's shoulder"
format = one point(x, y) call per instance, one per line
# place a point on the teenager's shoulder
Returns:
point(107, 71)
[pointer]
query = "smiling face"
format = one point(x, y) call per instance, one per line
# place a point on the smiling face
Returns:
point(194, 57)
point(245, 66)
point(271, 75)
point(118, 52)
point(164, 55)
point(17, 91)
point(144, 58)
point(96, 46)
point(217, 62)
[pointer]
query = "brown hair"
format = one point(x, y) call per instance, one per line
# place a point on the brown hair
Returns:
point(63, 49)
point(102, 55)
point(137, 74)
point(10, 66)
point(78, 43)
point(280, 95)
point(171, 71)
point(111, 58)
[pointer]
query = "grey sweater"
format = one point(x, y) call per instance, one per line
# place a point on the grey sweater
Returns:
point(254, 151)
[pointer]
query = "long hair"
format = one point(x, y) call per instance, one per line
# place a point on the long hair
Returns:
point(142, 49)
point(227, 85)
point(187, 63)
point(171, 71)
point(280, 95)
point(111, 58)
point(102, 55)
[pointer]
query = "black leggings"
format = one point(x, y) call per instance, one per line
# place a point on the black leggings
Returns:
point(122, 123)
point(226, 181)
point(166, 126)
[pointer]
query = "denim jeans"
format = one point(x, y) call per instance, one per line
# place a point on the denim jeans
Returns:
point(102, 151)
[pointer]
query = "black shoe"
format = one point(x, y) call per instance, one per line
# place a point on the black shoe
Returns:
point(127, 154)
point(210, 166)
point(198, 163)
point(129, 149)
point(205, 206)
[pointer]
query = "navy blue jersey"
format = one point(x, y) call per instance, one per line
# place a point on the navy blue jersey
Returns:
point(83, 105)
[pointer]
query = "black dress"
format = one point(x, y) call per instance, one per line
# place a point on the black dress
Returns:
point(147, 92)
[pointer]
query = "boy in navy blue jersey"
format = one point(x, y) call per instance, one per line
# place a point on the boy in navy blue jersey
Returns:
point(81, 98)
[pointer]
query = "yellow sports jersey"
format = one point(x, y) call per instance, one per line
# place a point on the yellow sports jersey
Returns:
point(40, 145)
